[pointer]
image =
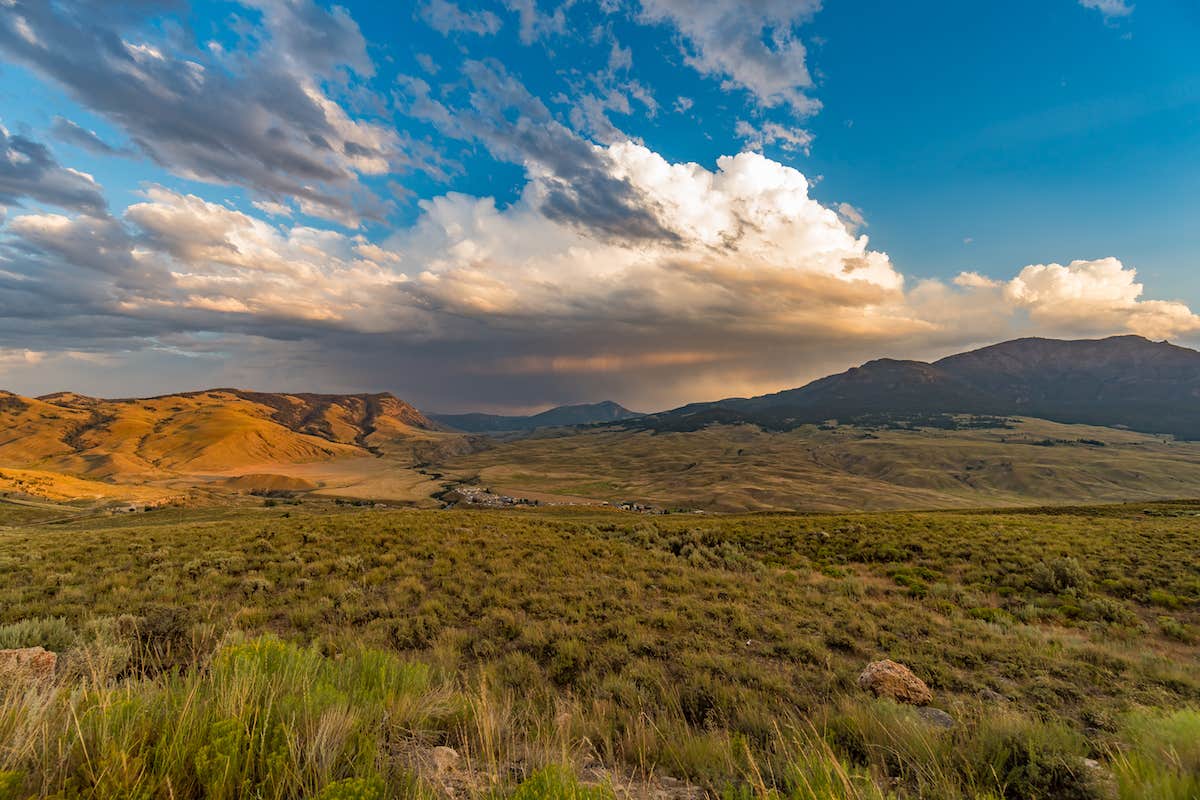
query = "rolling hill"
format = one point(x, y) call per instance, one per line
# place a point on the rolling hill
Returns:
point(220, 435)
point(581, 414)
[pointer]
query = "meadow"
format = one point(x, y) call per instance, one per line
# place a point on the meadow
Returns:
point(742, 468)
point(290, 649)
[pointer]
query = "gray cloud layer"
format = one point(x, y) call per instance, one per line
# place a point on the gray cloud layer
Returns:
point(257, 118)
point(29, 170)
point(754, 286)
point(72, 133)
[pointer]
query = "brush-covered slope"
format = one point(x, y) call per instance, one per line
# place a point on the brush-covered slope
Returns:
point(215, 431)
point(581, 414)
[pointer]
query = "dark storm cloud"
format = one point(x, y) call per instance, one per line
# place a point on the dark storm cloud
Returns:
point(29, 170)
point(256, 118)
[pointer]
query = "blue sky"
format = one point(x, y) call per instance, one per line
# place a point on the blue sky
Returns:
point(516, 203)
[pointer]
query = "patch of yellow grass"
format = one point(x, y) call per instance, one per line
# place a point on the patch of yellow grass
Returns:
point(55, 486)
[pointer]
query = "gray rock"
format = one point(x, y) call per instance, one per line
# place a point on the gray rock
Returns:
point(936, 717)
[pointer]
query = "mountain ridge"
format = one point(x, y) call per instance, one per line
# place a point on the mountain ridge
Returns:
point(1123, 381)
point(558, 416)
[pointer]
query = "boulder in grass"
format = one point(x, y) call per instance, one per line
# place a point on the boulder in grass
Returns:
point(895, 681)
point(30, 663)
point(445, 760)
point(936, 717)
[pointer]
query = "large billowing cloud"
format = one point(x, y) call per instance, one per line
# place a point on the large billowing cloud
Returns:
point(614, 273)
point(751, 285)
point(1086, 297)
point(260, 116)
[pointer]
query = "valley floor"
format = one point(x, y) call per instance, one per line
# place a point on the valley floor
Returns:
point(718, 468)
point(304, 649)
point(737, 468)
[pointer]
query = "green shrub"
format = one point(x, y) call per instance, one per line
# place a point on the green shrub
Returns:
point(10, 785)
point(1162, 758)
point(558, 783)
point(354, 789)
point(1174, 629)
point(568, 661)
point(52, 633)
point(1022, 759)
point(1059, 575)
point(1161, 597)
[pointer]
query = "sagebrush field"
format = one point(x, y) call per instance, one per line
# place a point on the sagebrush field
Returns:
point(322, 650)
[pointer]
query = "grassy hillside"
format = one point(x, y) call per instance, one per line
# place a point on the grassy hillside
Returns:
point(221, 438)
point(649, 656)
point(743, 468)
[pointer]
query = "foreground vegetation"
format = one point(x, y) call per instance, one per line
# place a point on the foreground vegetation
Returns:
point(321, 651)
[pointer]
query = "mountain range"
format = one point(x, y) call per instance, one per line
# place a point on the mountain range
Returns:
point(988, 414)
point(581, 414)
point(1121, 381)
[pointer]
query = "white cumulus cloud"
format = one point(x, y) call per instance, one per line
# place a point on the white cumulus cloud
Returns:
point(751, 46)
point(753, 286)
point(1109, 8)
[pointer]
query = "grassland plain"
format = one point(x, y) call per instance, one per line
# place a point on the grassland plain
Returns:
point(197, 446)
point(736, 468)
point(317, 650)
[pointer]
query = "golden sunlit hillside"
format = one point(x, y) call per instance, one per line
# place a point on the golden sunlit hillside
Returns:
point(225, 438)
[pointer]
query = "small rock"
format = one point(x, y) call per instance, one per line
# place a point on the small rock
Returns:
point(444, 759)
point(936, 717)
point(991, 696)
point(889, 679)
point(33, 663)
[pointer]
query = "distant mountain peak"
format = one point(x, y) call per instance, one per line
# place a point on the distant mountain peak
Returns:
point(559, 416)
point(1125, 380)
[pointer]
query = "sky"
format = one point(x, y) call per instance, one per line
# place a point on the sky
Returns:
point(511, 204)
